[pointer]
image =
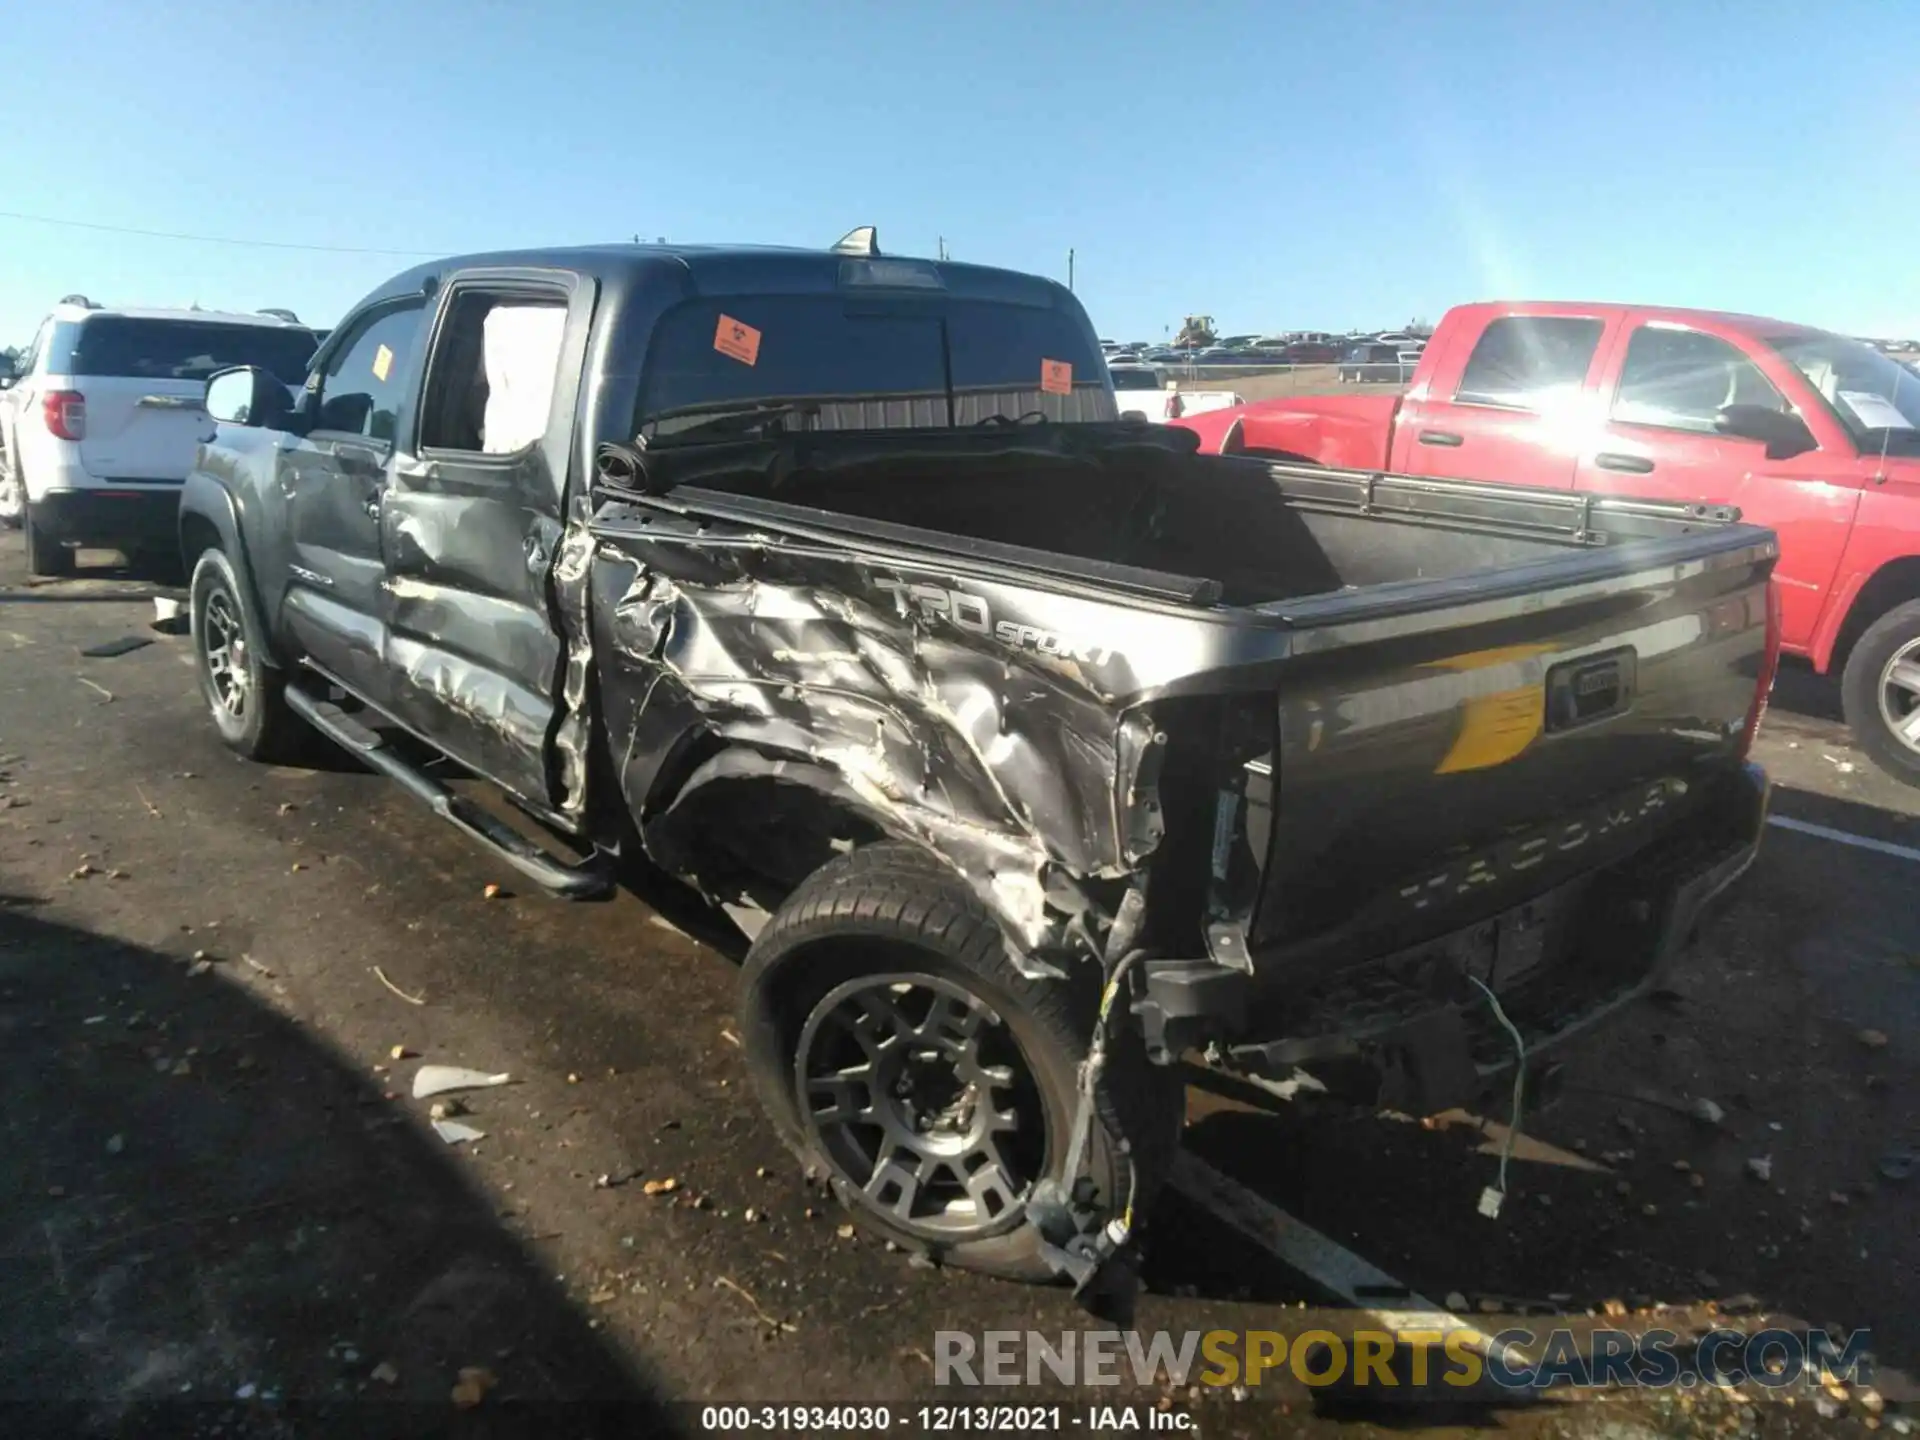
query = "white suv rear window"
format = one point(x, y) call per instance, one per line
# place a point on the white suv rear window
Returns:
point(185, 349)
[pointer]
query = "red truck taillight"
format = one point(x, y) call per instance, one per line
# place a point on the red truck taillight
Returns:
point(65, 412)
point(1769, 667)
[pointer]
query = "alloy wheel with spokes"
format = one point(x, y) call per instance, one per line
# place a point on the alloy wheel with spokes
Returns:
point(1900, 695)
point(917, 1094)
point(223, 650)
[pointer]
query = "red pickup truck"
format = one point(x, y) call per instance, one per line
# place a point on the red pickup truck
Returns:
point(1811, 433)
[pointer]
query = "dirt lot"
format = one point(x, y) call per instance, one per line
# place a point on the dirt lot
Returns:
point(223, 1212)
point(1305, 380)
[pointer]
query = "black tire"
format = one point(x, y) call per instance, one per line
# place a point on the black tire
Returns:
point(892, 909)
point(260, 726)
point(45, 556)
point(1864, 683)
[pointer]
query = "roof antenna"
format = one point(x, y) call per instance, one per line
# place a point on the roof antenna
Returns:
point(863, 241)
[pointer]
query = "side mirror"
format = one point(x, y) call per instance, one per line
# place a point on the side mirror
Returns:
point(1784, 435)
point(248, 395)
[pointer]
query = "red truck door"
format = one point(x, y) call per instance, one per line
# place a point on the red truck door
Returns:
point(1505, 402)
point(1658, 438)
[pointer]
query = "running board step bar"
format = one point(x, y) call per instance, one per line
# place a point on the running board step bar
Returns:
point(571, 882)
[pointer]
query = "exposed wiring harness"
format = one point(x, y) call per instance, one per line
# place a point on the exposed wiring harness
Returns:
point(1107, 997)
point(1490, 1199)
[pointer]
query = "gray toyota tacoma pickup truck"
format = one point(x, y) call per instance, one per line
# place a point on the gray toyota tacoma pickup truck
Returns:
point(1035, 750)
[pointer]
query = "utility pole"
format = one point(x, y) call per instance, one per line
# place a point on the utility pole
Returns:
point(1069, 270)
point(940, 242)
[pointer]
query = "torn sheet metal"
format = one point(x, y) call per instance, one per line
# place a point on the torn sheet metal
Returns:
point(1005, 764)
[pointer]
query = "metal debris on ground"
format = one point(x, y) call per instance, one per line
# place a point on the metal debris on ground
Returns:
point(101, 689)
point(767, 1320)
point(845, 1232)
point(660, 1187)
point(381, 976)
point(401, 1052)
point(386, 1373)
point(1760, 1167)
point(126, 644)
point(439, 1079)
point(256, 966)
point(454, 1133)
point(447, 1109)
point(492, 891)
point(1707, 1112)
point(1872, 1039)
point(472, 1386)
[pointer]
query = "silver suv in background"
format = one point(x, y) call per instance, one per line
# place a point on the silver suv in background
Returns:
point(103, 421)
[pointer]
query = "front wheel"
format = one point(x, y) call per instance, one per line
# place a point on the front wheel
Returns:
point(242, 691)
point(901, 1055)
point(1880, 692)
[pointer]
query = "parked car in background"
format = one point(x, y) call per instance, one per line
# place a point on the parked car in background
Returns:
point(1142, 390)
point(103, 423)
point(1375, 363)
point(1811, 433)
point(1310, 352)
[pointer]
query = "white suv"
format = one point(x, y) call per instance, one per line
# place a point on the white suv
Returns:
point(105, 418)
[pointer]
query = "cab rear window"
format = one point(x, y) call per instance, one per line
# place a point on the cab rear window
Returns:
point(827, 347)
point(113, 345)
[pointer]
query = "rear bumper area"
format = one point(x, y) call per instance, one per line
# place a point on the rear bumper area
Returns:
point(1411, 1032)
point(111, 516)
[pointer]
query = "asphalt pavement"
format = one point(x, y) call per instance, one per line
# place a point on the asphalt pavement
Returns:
point(222, 1203)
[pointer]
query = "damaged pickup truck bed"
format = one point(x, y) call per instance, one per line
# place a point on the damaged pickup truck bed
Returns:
point(1037, 749)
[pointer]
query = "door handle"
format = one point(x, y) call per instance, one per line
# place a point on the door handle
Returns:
point(1627, 464)
point(1441, 437)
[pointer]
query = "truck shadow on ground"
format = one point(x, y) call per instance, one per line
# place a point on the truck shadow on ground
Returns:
point(212, 1221)
point(1799, 691)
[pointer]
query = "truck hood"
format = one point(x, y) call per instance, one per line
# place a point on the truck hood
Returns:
point(1345, 430)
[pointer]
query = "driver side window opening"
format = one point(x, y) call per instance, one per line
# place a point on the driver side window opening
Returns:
point(491, 379)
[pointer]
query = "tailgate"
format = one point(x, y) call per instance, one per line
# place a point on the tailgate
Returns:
point(1442, 764)
point(143, 429)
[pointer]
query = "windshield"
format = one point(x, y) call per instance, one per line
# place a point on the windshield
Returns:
point(1875, 397)
point(867, 364)
point(113, 345)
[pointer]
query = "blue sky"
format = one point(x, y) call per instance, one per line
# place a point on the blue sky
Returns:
point(1275, 165)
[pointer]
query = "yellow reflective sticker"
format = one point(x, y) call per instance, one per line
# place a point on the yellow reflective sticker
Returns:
point(382, 362)
point(1498, 727)
point(1495, 728)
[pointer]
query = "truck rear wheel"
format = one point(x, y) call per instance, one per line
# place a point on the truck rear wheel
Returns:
point(242, 691)
point(1880, 692)
point(902, 1056)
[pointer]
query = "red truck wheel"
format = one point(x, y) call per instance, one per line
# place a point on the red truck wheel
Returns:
point(1880, 692)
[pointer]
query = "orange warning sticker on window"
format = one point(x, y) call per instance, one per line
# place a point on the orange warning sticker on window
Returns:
point(382, 362)
point(737, 340)
point(1056, 377)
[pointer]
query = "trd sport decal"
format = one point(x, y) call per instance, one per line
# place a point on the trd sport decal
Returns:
point(971, 613)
